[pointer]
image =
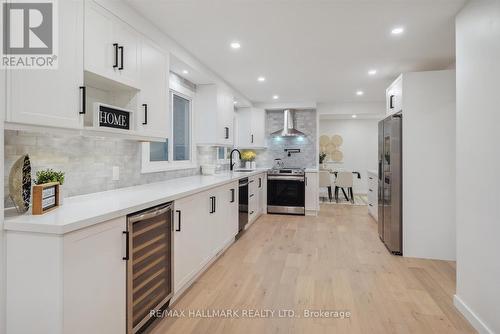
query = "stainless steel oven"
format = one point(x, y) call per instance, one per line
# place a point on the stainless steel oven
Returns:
point(149, 264)
point(286, 191)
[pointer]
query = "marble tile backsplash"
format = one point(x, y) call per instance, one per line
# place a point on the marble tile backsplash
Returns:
point(87, 161)
point(305, 121)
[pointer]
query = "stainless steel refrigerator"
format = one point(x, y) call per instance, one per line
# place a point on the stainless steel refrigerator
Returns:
point(390, 189)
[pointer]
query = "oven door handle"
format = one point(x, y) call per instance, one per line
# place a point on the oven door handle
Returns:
point(286, 178)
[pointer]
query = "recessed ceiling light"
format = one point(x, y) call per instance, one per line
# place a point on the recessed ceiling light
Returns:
point(372, 72)
point(354, 116)
point(275, 97)
point(397, 31)
point(185, 71)
point(235, 102)
point(359, 92)
point(261, 79)
point(235, 45)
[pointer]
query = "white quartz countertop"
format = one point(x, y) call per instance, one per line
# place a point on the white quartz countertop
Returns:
point(86, 210)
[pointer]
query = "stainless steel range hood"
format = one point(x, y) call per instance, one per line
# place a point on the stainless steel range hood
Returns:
point(289, 129)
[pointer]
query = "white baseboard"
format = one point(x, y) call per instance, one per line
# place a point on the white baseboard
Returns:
point(474, 320)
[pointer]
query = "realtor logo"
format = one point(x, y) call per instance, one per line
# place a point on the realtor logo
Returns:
point(29, 38)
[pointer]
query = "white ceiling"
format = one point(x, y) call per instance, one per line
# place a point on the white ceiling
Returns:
point(310, 50)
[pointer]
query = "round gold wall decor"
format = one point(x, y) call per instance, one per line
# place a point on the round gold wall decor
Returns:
point(337, 156)
point(337, 140)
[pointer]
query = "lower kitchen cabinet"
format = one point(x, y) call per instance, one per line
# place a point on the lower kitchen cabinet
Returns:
point(373, 194)
point(73, 283)
point(205, 223)
point(312, 193)
point(257, 196)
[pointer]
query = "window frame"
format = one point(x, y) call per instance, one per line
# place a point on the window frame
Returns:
point(148, 166)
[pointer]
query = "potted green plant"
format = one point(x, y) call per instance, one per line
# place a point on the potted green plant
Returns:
point(322, 157)
point(49, 175)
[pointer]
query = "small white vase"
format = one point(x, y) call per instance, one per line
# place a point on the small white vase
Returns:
point(248, 165)
point(254, 165)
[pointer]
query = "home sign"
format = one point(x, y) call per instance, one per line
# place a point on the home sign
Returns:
point(114, 118)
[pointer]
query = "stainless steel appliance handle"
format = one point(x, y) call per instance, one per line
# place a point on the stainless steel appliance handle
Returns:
point(150, 214)
point(287, 178)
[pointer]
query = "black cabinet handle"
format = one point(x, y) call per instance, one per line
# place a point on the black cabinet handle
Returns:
point(84, 100)
point(370, 189)
point(178, 229)
point(226, 132)
point(232, 196)
point(305, 181)
point(127, 249)
point(251, 195)
point(370, 204)
point(260, 182)
point(251, 181)
point(121, 58)
point(252, 212)
point(115, 45)
point(252, 139)
point(145, 105)
point(212, 200)
point(391, 102)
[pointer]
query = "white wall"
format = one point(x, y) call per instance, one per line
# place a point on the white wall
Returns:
point(374, 109)
point(360, 146)
point(429, 165)
point(478, 164)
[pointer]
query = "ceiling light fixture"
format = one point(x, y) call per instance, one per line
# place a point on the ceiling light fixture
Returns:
point(235, 102)
point(354, 116)
point(397, 31)
point(372, 72)
point(261, 79)
point(235, 45)
point(185, 71)
point(359, 93)
point(275, 97)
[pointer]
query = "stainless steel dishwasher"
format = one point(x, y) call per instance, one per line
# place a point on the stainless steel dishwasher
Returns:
point(149, 264)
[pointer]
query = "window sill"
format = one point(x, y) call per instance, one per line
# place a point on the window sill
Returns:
point(167, 167)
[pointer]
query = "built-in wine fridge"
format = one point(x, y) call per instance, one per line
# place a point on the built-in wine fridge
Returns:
point(149, 265)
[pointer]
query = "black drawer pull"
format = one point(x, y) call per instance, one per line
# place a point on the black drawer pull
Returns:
point(370, 190)
point(178, 229)
point(127, 246)
point(232, 196)
point(115, 45)
point(145, 105)
point(251, 195)
point(370, 204)
point(84, 100)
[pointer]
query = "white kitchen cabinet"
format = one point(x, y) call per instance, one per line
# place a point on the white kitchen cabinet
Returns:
point(312, 193)
point(95, 279)
point(204, 224)
point(257, 196)
point(153, 116)
point(112, 48)
point(72, 283)
point(251, 128)
point(214, 116)
point(394, 97)
point(189, 238)
point(373, 194)
point(31, 95)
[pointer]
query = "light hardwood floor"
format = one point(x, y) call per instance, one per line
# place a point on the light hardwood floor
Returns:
point(331, 262)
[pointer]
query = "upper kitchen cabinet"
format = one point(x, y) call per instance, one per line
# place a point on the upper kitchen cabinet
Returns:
point(394, 96)
point(112, 47)
point(214, 116)
point(153, 115)
point(51, 97)
point(251, 128)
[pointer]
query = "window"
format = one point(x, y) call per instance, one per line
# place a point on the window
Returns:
point(176, 153)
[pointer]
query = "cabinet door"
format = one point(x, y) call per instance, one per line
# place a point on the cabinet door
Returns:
point(129, 42)
point(258, 127)
point(263, 193)
point(101, 56)
point(188, 240)
point(225, 111)
point(152, 118)
point(244, 127)
point(95, 279)
point(30, 99)
point(312, 192)
point(394, 96)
